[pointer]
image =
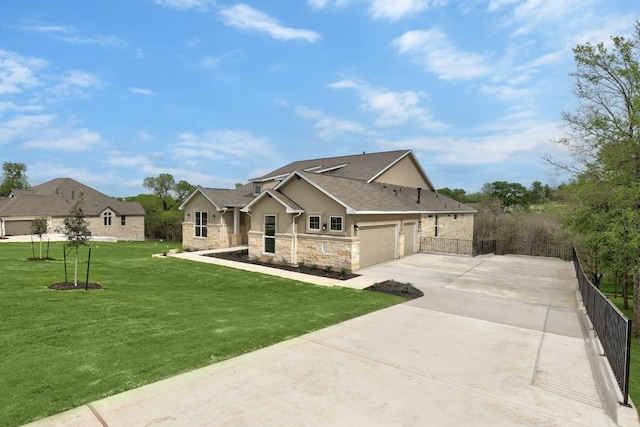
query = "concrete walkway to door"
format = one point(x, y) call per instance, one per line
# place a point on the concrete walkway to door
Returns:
point(495, 341)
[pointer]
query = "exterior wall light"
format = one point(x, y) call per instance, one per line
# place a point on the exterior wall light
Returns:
point(356, 227)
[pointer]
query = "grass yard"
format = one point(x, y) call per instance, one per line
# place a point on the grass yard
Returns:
point(154, 318)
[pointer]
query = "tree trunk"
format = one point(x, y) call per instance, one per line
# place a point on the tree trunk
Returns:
point(625, 287)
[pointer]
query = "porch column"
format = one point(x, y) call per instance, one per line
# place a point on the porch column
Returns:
point(236, 221)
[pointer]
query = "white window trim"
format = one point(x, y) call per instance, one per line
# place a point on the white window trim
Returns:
point(200, 227)
point(257, 187)
point(314, 230)
point(341, 223)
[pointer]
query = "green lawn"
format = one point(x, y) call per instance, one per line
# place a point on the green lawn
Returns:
point(153, 319)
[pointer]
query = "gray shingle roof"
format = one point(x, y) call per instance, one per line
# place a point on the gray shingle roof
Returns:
point(237, 197)
point(377, 197)
point(362, 167)
point(56, 197)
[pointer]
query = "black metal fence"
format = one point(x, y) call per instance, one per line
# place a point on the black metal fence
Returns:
point(447, 246)
point(498, 247)
point(611, 326)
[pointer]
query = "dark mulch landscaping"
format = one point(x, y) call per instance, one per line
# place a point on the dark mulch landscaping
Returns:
point(243, 256)
point(68, 286)
point(405, 290)
point(41, 259)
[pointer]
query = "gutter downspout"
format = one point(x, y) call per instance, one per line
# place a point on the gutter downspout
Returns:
point(294, 257)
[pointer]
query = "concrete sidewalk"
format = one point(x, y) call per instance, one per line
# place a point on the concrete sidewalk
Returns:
point(495, 341)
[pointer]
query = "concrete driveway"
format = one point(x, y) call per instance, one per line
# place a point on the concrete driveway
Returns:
point(495, 341)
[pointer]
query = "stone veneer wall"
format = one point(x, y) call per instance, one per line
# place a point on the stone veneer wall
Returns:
point(322, 251)
point(218, 236)
point(132, 230)
point(460, 228)
point(448, 227)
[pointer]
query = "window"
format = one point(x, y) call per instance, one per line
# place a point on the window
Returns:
point(257, 188)
point(335, 223)
point(106, 218)
point(123, 220)
point(314, 222)
point(436, 227)
point(270, 234)
point(201, 224)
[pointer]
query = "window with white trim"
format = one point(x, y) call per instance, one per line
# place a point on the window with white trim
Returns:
point(201, 220)
point(106, 218)
point(336, 223)
point(257, 188)
point(313, 222)
point(270, 234)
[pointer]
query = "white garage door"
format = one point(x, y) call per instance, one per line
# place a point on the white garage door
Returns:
point(410, 238)
point(377, 244)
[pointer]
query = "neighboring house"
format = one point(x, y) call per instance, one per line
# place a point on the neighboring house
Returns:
point(346, 212)
point(54, 199)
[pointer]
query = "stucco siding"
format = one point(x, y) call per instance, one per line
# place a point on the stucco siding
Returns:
point(406, 173)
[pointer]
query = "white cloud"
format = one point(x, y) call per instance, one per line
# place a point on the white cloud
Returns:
point(393, 108)
point(141, 91)
point(223, 144)
point(18, 72)
point(499, 142)
point(70, 34)
point(247, 18)
point(46, 132)
point(73, 84)
point(187, 4)
point(321, 4)
point(394, 10)
point(433, 49)
point(318, 4)
point(330, 127)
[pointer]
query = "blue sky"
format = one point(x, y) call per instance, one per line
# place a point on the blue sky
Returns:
point(213, 92)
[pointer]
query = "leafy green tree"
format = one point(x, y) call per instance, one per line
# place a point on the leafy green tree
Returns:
point(457, 194)
point(14, 177)
point(182, 189)
point(538, 192)
point(604, 141)
point(77, 231)
point(39, 226)
point(510, 194)
point(161, 186)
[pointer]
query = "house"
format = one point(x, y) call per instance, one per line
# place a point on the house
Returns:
point(345, 212)
point(54, 199)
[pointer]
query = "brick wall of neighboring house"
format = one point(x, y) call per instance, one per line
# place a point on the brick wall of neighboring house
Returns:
point(321, 251)
point(132, 230)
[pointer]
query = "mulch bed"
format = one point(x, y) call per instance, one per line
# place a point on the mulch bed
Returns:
point(69, 286)
point(243, 256)
point(405, 290)
point(40, 259)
